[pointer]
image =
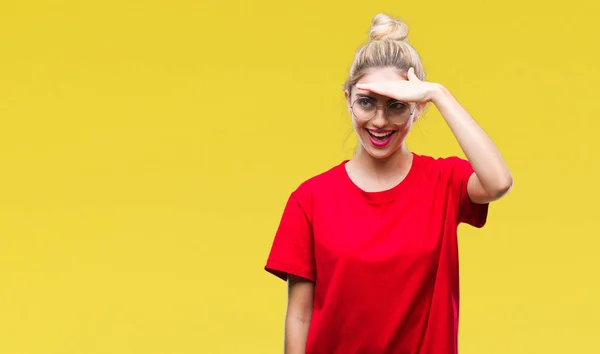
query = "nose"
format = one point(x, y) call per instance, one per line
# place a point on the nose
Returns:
point(380, 119)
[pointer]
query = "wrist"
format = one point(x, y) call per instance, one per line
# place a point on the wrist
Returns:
point(437, 92)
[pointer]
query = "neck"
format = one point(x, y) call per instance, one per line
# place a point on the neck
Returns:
point(383, 169)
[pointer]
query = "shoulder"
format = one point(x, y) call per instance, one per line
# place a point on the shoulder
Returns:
point(320, 183)
point(447, 172)
point(439, 162)
point(443, 167)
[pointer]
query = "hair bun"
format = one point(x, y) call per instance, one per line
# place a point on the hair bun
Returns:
point(385, 27)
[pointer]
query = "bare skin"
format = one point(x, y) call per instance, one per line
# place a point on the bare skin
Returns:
point(298, 314)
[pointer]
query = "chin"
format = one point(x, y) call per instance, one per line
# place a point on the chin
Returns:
point(381, 154)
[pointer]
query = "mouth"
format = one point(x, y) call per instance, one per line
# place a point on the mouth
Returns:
point(380, 138)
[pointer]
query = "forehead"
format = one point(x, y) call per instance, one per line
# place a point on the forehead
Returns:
point(382, 74)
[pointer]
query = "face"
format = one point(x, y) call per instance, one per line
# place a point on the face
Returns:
point(380, 122)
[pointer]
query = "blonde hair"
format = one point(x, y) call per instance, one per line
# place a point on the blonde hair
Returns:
point(387, 47)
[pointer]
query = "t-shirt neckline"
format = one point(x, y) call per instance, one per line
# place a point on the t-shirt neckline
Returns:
point(387, 194)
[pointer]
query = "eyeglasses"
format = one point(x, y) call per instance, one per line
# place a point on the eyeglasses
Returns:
point(365, 108)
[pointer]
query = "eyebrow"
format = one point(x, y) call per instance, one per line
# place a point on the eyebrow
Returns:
point(371, 97)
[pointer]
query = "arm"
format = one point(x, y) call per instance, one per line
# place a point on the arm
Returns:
point(492, 178)
point(298, 314)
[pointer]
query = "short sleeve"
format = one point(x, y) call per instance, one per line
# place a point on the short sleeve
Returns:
point(292, 251)
point(467, 212)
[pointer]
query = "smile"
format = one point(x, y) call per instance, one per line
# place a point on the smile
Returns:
point(380, 139)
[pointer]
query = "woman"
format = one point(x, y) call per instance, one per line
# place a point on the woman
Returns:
point(369, 247)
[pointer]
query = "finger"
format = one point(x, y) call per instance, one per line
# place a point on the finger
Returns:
point(370, 88)
point(365, 87)
point(378, 85)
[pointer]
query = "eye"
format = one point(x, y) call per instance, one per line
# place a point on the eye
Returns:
point(365, 102)
point(397, 108)
point(397, 105)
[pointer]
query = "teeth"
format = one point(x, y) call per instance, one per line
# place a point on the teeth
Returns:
point(380, 135)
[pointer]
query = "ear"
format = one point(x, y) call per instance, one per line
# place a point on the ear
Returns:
point(347, 97)
point(419, 110)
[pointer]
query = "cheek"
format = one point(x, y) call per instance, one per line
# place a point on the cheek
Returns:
point(357, 125)
point(405, 128)
point(403, 131)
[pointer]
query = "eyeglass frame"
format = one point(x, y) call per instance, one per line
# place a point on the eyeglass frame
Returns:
point(378, 107)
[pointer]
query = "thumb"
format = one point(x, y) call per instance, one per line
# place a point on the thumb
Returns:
point(411, 75)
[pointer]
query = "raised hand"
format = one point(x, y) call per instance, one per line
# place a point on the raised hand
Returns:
point(411, 90)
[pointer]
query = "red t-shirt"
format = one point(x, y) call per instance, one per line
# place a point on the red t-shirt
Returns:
point(385, 264)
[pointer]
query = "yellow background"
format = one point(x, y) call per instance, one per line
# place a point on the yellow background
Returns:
point(148, 147)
